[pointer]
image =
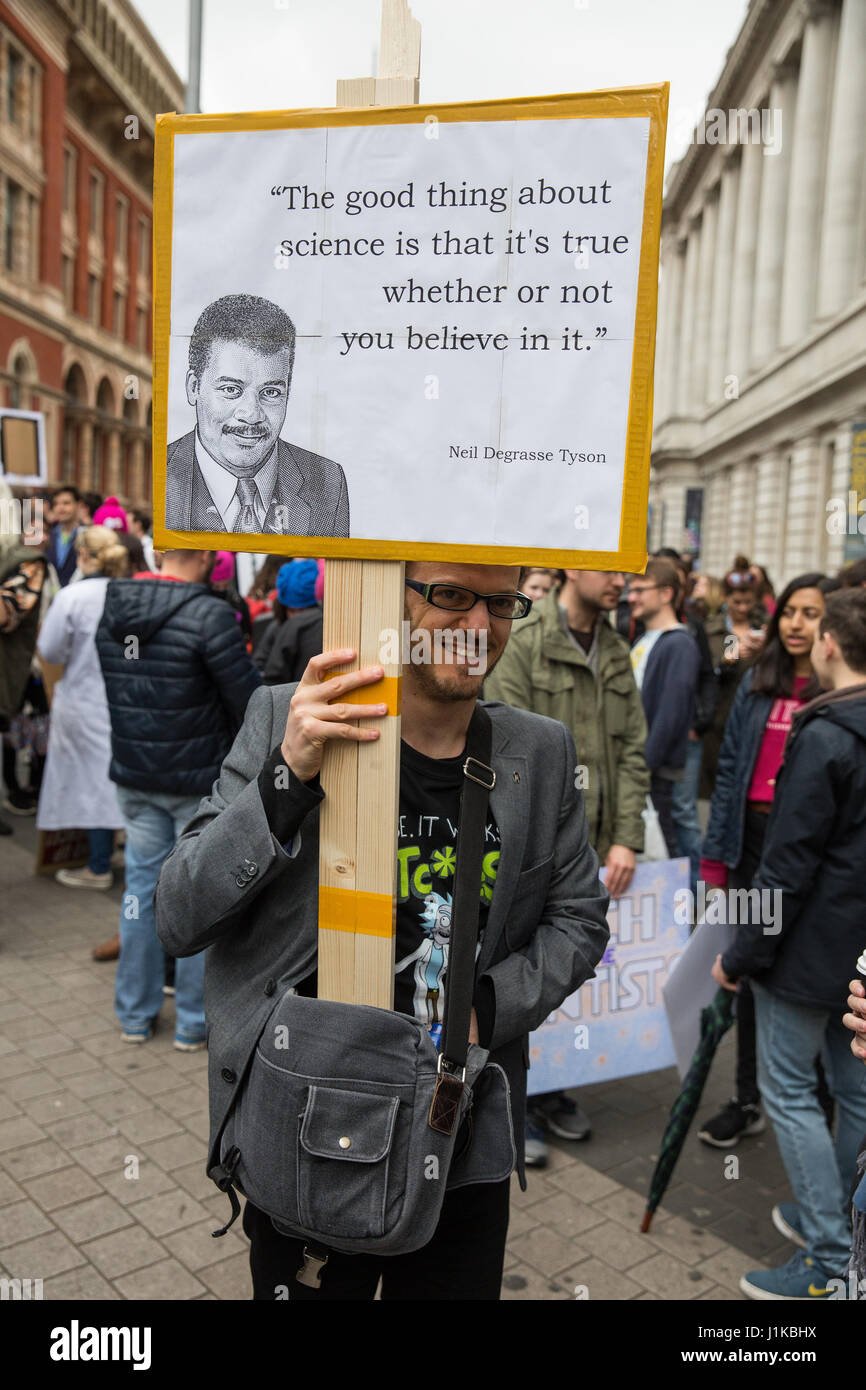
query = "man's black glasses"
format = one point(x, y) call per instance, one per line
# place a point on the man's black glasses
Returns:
point(457, 600)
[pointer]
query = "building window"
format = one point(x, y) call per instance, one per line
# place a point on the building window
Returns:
point(13, 197)
point(119, 314)
point(14, 69)
point(70, 162)
point(94, 295)
point(141, 329)
point(143, 246)
point(121, 229)
point(69, 282)
point(97, 190)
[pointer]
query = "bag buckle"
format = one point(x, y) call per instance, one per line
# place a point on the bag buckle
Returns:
point(310, 1272)
point(482, 767)
point(450, 1068)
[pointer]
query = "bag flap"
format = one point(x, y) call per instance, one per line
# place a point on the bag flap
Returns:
point(348, 1125)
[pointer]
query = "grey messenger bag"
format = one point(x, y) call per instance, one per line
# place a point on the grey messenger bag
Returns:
point(349, 1126)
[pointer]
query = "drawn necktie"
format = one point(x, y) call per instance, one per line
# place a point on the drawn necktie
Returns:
point(247, 517)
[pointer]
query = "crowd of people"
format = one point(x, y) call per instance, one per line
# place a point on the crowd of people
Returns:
point(727, 682)
point(126, 675)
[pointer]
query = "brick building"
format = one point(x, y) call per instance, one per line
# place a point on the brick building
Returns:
point(80, 83)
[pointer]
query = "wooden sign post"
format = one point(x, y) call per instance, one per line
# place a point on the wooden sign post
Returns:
point(363, 600)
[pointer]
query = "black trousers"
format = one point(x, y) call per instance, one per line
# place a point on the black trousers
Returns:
point(754, 833)
point(463, 1262)
point(662, 797)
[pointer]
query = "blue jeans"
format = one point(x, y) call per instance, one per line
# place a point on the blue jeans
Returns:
point(820, 1170)
point(101, 843)
point(685, 810)
point(154, 820)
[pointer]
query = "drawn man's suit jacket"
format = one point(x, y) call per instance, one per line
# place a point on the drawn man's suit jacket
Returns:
point(310, 497)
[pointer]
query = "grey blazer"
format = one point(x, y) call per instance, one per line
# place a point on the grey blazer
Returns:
point(231, 886)
point(311, 491)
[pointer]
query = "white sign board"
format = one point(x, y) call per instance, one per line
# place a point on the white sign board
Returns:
point(22, 446)
point(394, 332)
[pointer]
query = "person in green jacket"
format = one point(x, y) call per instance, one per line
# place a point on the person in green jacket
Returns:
point(567, 662)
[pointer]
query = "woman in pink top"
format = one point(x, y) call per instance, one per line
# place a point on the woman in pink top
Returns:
point(780, 681)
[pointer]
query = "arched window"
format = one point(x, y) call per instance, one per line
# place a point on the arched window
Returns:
point(24, 376)
point(75, 466)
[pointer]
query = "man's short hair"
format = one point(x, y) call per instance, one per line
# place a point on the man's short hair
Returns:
point(66, 487)
point(664, 573)
point(241, 318)
point(845, 619)
point(854, 574)
point(143, 520)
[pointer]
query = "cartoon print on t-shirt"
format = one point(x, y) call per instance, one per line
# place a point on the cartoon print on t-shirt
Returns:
point(426, 861)
point(431, 957)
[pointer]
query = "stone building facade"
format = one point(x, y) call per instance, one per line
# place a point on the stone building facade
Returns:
point(760, 384)
point(80, 83)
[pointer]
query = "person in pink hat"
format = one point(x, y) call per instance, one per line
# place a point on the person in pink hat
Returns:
point(223, 584)
point(112, 515)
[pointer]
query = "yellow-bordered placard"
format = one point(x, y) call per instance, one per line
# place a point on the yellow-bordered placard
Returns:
point(648, 101)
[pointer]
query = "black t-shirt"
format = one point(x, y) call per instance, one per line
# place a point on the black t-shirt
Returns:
point(426, 855)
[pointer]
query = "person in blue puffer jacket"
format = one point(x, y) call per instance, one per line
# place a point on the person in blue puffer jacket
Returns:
point(177, 678)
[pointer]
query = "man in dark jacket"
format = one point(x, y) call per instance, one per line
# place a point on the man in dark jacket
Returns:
point(178, 678)
point(666, 664)
point(799, 945)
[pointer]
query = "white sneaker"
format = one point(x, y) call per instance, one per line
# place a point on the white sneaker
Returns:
point(84, 878)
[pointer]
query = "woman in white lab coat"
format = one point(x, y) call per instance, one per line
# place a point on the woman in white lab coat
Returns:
point(76, 792)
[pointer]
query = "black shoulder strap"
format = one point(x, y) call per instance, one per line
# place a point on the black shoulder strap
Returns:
point(478, 781)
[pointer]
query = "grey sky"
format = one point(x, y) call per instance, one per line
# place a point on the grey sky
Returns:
point(264, 55)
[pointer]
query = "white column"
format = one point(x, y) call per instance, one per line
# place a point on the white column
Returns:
point(687, 321)
point(842, 233)
point(655, 499)
point(741, 508)
point(667, 337)
point(803, 506)
point(714, 528)
point(745, 245)
point(703, 299)
point(674, 494)
point(808, 162)
point(768, 532)
point(840, 482)
point(722, 275)
point(771, 217)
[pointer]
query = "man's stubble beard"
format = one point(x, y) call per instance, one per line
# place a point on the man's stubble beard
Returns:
point(444, 693)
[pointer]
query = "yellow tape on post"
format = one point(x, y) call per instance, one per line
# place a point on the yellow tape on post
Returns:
point(387, 691)
point(364, 914)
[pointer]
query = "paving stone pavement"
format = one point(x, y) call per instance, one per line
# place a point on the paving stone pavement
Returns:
point(103, 1193)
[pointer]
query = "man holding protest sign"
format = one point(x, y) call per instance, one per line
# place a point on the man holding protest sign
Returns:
point(543, 919)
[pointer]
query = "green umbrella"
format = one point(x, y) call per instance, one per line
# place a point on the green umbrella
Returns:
point(716, 1019)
